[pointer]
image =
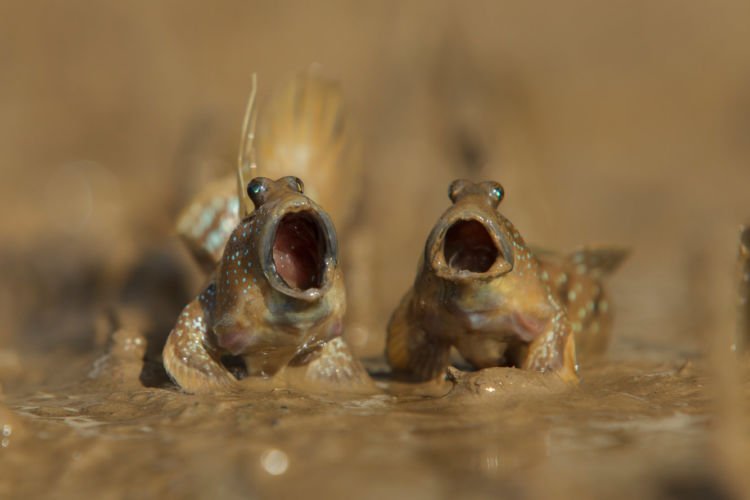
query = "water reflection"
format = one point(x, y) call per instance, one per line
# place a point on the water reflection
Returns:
point(274, 461)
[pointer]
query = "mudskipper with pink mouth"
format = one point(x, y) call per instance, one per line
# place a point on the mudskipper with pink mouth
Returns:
point(481, 290)
point(276, 299)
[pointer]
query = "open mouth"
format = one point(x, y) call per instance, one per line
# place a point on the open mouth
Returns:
point(468, 246)
point(299, 250)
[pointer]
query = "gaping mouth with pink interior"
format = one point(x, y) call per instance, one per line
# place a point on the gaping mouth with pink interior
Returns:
point(468, 246)
point(299, 248)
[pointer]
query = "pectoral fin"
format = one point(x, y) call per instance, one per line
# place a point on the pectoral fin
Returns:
point(411, 351)
point(332, 368)
point(188, 357)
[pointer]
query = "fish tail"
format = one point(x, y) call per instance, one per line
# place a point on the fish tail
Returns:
point(597, 261)
point(207, 223)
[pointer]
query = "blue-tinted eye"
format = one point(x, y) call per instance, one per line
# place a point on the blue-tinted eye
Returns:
point(497, 193)
point(254, 188)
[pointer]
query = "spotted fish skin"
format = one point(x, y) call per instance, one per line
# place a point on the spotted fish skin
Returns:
point(482, 290)
point(190, 355)
point(303, 131)
point(577, 282)
point(251, 308)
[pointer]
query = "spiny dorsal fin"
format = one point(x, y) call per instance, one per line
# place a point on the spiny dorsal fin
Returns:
point(246, 157)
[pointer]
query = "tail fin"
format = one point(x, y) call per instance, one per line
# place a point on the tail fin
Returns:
point(598, 261)
point(207, 223)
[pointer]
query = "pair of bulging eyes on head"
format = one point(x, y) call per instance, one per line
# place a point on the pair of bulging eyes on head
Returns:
point(259, 188)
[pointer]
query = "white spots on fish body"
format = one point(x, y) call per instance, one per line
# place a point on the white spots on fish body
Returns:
point(198, 323)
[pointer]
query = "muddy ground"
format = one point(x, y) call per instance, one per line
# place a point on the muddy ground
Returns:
point(607, 123)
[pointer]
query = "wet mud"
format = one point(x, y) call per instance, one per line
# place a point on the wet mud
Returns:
point(522, 433)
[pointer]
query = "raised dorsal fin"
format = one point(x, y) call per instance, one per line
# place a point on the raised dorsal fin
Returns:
point(246, 157)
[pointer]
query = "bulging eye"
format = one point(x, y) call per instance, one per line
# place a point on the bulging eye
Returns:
point(257, 189)
point(497, 193)
point(293, 183)
point(456, 188)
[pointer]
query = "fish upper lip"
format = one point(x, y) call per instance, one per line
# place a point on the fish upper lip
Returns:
point(434, 251)
point(330, 257)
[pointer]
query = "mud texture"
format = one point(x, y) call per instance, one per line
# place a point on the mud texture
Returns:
point(496, 432)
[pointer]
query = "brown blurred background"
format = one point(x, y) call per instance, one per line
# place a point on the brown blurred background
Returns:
point(607, 122)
